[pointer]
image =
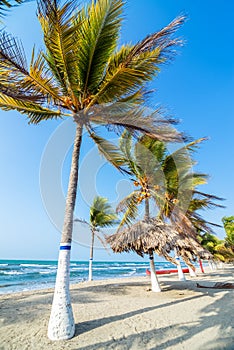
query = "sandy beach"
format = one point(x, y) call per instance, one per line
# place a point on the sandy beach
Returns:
point(123, 314)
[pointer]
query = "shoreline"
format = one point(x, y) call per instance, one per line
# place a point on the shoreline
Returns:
point(122, 314)
point(23, 275)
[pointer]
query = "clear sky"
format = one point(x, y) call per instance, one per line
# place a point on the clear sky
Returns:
point(197, 88)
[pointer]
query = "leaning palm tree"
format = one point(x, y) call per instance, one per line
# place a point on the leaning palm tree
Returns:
point(83, 75)
point(101, 215)
point(157, 174)
point(168, 179)
point(144, 161)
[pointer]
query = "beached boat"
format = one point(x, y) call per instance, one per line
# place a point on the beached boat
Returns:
point(165, 272)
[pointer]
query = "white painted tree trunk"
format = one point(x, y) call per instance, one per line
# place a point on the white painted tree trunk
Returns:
point(155, 287)
point(210, 265)
point(91, 254)
point(179, 268)
point(90, 269)
point(192, 272)
point(61, 324)
point(214, 265)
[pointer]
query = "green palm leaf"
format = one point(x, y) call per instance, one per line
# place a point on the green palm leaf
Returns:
point(129, 206)
point(108, 150)
point(57, 21)
point(99, 35)
point(101, 213)
point(135, 65)
point(37, 82)
point(125, 145)
point(35, 112)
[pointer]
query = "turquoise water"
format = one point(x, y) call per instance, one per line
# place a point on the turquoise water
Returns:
point(22, 275)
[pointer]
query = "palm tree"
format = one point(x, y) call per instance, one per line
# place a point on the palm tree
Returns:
point(140, 168)
point(217, 247)
point(82, 74)
point(159, 175)
point(101, 215)
point(222, 249)
point(169, 180)
point(228, 223)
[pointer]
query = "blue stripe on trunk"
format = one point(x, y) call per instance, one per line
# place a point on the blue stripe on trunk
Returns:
point(65, 247)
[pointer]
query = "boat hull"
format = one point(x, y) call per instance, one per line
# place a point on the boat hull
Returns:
point(167, 272)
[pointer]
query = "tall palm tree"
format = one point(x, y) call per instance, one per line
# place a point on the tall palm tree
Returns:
point(101, 215)
point(82, 74)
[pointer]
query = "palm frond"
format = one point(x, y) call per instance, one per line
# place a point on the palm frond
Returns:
point(14, 72)
point(209, 196)
point(129, 206)
point(108, 150)
point(122, 80)
point(57, 21)
point(134, 119)
point(125, 145)
point(12, 55)
point(99, 34)
point(35, 112)
point(41, 80)
point(162, 39)
point(134, 65)
point(156, 147)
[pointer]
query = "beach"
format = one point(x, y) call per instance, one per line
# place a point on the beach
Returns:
point(124, 314)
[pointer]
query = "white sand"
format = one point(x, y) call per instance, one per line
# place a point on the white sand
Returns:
point(121, 314)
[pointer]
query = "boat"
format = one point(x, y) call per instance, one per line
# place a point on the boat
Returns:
point(166, 272)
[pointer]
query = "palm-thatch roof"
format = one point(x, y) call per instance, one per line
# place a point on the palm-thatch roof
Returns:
point(159, 237)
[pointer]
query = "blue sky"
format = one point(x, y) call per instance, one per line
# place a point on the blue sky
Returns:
point(197, 88)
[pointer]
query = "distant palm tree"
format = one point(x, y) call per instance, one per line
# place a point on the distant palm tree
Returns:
point(101, 215)
point(228, 223)
point(82, 74)
point(217, 247)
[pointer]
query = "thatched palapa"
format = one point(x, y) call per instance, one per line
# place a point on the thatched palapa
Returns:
point(159, 237)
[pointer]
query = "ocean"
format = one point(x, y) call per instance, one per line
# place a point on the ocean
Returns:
point(23, 275)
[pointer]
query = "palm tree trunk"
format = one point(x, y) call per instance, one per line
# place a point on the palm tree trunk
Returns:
point(147, 213)
point(91, 257)
point(155, 287)
point(61, 324)
point(192, 272)
point(210, 265)
point(179, 268)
